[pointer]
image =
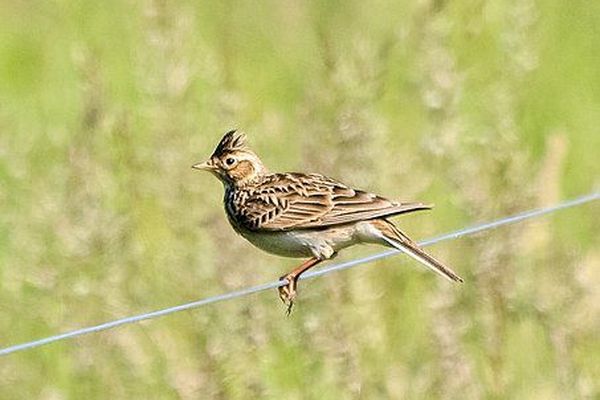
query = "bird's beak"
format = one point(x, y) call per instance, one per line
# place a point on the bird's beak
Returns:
point(205, 166)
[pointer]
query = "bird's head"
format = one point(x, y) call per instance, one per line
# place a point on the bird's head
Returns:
point(232, 161)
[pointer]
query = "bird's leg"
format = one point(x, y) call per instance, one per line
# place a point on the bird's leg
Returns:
point(287, 292)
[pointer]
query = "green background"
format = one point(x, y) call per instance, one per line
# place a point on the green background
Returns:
point(484, 108)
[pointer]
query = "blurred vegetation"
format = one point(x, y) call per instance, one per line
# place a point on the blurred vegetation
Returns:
point(484, 108)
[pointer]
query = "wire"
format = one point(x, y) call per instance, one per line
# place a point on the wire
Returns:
point(312, 274)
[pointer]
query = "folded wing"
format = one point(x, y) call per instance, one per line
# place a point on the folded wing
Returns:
point(299, 201)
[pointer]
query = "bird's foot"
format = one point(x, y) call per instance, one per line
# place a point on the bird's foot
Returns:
point(287, 292)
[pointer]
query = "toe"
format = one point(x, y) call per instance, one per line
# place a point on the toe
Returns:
point(287, 292)
point(284, 294)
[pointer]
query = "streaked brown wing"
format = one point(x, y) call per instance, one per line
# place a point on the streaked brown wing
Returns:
point(299, 201)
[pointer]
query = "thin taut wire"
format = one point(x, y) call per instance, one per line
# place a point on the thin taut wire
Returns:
point(336, 267)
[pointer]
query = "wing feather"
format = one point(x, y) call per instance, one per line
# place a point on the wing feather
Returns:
point(298, 201)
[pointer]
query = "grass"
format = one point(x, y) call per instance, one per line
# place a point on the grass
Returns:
point(482, 108)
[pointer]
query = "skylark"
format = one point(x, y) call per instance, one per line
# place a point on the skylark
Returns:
point(305, 215)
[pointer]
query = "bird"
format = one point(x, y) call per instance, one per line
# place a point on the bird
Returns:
point(306, 215)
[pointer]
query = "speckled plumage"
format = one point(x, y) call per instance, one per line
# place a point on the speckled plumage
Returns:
point(286, 201)
point(305, 215)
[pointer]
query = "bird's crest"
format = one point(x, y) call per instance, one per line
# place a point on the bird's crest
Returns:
point(231, 141)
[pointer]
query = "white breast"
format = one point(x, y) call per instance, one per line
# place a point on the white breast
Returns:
point(286, 244)
point(303, 243)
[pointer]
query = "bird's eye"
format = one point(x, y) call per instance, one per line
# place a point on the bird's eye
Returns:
point(230, 161)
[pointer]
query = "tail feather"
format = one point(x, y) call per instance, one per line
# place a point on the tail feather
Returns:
point(395, 238)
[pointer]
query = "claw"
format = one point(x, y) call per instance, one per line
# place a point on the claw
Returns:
point(287, 292)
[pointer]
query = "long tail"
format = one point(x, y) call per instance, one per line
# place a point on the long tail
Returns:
point(395, 238)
